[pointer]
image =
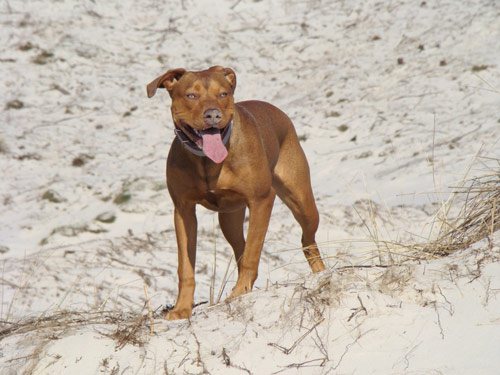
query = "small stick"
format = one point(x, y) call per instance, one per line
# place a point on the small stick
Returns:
point(492, 223)
point(151, 320)
point(290, 349)
point(214, 271)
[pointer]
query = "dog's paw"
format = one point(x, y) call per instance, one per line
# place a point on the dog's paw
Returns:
point(238, 291)
point(318, 266)
point(178, 314)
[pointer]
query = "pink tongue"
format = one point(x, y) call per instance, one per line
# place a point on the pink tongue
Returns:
point(213, 147)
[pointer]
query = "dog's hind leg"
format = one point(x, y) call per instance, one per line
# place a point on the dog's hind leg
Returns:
point(292, 183)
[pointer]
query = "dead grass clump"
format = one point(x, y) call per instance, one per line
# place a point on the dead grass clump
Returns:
point(478, 217)
point(129, 332)
point(471, 214)
point(130, 329)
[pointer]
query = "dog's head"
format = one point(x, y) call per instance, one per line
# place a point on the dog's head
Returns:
point(202, 105)
point(201, 99)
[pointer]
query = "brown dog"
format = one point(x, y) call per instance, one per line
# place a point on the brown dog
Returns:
point(229, 156)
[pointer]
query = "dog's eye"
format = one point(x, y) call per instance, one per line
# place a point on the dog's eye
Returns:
point(223, 95)
point(191, 96)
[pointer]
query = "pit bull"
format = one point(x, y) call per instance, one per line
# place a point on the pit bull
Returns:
point(228, 157)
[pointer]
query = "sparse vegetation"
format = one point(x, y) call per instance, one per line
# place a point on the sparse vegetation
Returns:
point(129, 327)
point(478, 217)
point(3, 146)
point(364, 155)
point(53, 196)
point(43, 58)
point(81, 160)
point(333, 114)
point(72, 231)
point(478, 68)
point(28, 46)
point(14, 104)
point(303, 137)
point(106, 217)
point(122, 198)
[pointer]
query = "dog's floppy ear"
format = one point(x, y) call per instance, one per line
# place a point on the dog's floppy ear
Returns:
point(228, 73)
point(165, 81)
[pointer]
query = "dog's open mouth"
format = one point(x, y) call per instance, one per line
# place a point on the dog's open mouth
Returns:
point(211, 141)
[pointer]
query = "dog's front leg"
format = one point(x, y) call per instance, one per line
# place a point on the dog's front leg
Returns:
point(259, 215)
point(185, 230)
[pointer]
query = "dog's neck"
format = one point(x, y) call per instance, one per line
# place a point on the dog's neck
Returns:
point(193, 147)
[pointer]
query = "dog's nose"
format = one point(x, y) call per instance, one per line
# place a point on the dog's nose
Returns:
point(212, 117)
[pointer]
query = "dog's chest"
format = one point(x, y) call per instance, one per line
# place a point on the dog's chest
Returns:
point(222, 200)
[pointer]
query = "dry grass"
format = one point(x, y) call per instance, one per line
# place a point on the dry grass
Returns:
point(477, 218)
point(476, 204)
point(129, 328)
point(471, 214)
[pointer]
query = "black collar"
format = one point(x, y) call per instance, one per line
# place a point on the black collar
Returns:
point(194, 147)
